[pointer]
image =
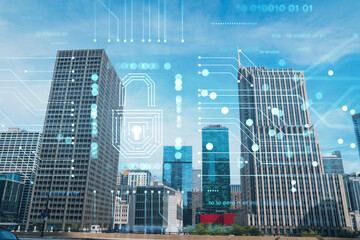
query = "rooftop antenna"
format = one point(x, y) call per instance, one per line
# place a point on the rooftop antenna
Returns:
point(238, 52)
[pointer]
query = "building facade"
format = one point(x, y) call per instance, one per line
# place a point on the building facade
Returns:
point(356, 120)
point(78, 166)
point(196, 208)
point(156, 209)
point(119, 179)
point(196, 180)
point(333, 163)
point(284, 189)
point(138, 178)
point(235, 196)
point(352, 183)
point(121, 214)
point(19, 153)
point(215, 168)
point(177, 174)
point(11, 192)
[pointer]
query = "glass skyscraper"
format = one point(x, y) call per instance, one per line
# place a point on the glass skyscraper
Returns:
point(356, 120)
point(284, 188)
point(177, 174)
point(78, 164)
point(215, 168)
point(19, 153)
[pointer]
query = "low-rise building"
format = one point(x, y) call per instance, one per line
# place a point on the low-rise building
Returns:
point(156, 209)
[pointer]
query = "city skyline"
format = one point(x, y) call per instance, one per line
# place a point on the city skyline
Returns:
point(268, 41)
point(182, 117)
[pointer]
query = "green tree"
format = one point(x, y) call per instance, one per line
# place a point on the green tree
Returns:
point(310, 233)
point(200, 229)
point(346, 234)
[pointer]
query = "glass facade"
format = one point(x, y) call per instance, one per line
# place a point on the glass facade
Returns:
point(19, 153)
point(215, 167)
point(356, 120)
point(333, 163)
point(177, 170)
point(11, 191)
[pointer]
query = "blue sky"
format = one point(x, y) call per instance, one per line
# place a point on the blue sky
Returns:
point(312, 41)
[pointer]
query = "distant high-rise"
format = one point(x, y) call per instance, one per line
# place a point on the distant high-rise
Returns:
point(283, 185)
point(356, 120)
point(352, 182)
point(177, 170)
point(215, 168)
point(177, 174)
point(19, 153)
point(196, 180)
point(78, 166)
point(333, 162)
point(119, 179)
point(138, 178)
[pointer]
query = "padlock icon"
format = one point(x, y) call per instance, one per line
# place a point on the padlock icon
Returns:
point(137, 133)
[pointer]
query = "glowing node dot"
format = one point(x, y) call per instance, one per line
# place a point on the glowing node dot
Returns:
point(213, 95)
point(352, 111)
point(344, 108)
point(249, 122)
point(224, 110)
point(293, 189)
point(255, 147)
point(209, 146)
point(204, 93)
point(205, 72)
point(178, 140)
point(272, 132)
point(293, 182)
point(330, 72)
point(340, 141)
point(352, 145)
point(315, 164)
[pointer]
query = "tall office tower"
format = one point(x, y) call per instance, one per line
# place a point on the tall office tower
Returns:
point(177, 174)
point(333, 162)
point(19, 153)
point(283, 185)
point(139, 178)
point(78, 166)
point(356, 120)
point(215, 168)
point(196, 179)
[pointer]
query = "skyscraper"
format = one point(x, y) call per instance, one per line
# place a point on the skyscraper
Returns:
point(78, 166)
point(19, 153)
point(196, 179)
point(333, 162)
point(356, 120)
point(177, 174)
point(215, 168)
point(177, 169)
point(283, 185)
